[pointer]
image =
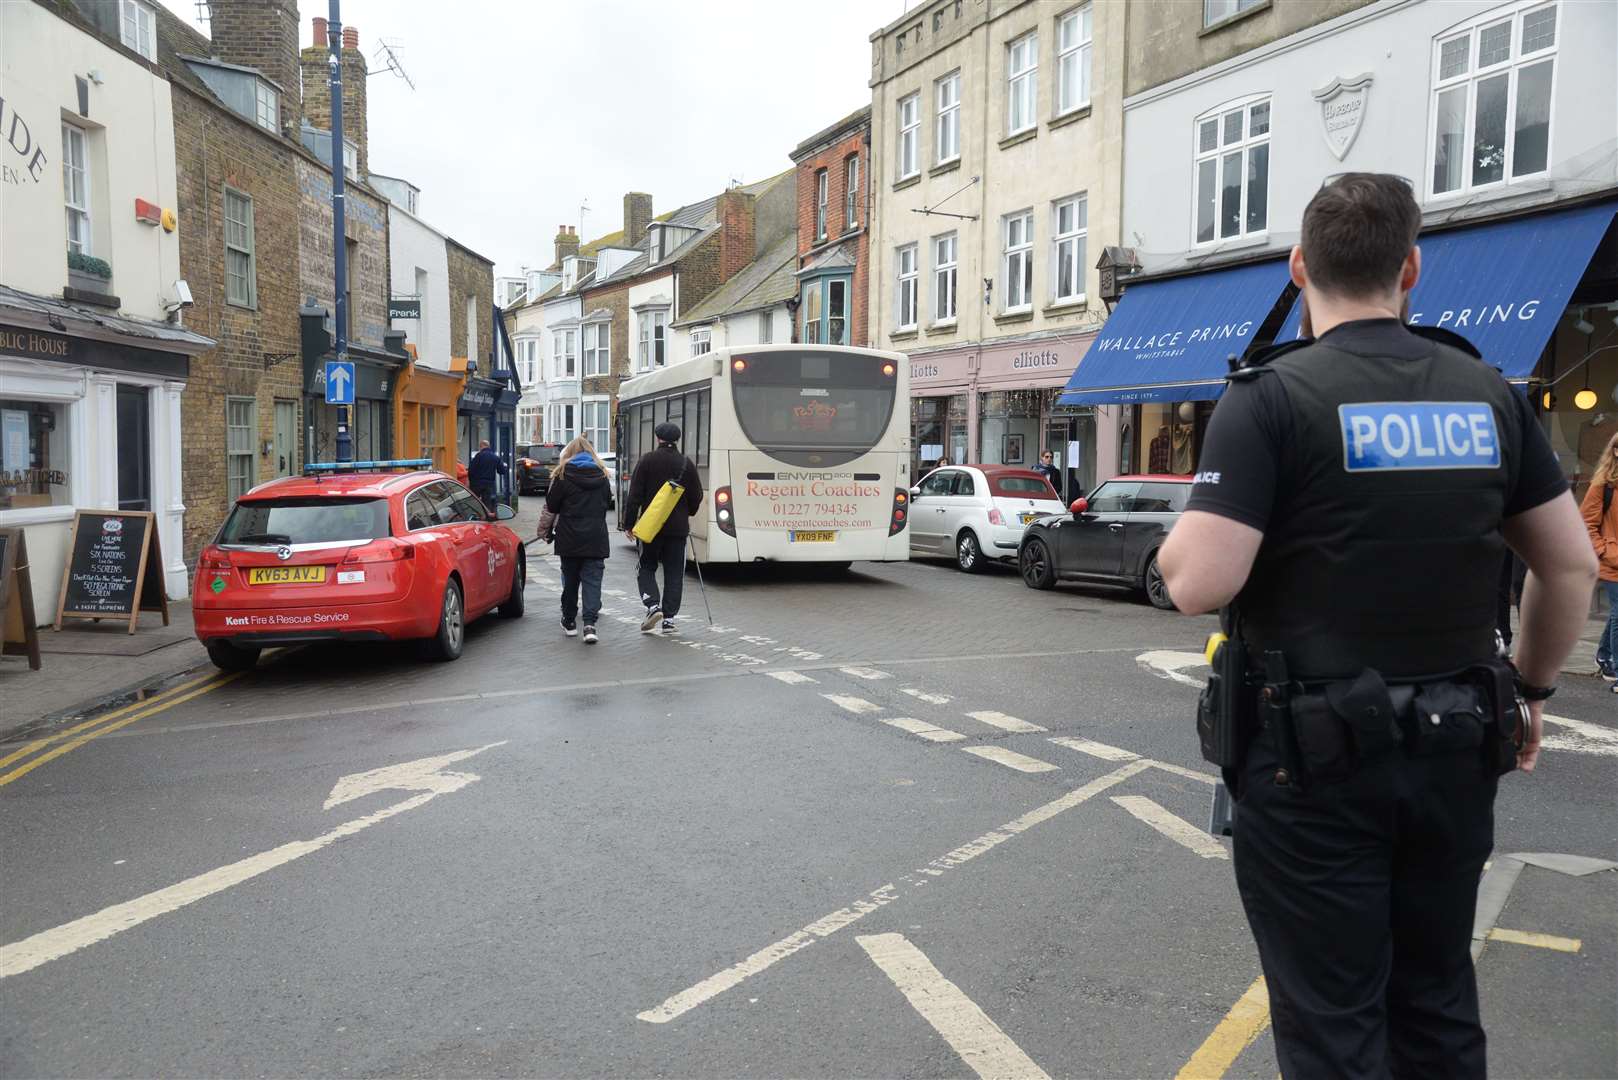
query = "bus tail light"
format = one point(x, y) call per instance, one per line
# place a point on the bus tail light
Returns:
point(723, 513)
point(738, 365)
point(888, 369)
point(901, 512)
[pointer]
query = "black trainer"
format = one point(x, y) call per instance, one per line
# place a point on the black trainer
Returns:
point(654, 619)
point(571, 629)
point(589, 635)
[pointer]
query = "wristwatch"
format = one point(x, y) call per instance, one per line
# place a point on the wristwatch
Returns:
point(1535, 693)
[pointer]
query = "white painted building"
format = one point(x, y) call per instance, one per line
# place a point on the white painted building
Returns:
point(418, 262)
point(525, 323)
point(92, 365)
point(560, 345)
point(1504, 119)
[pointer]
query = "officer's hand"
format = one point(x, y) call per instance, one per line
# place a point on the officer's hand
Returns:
point(1528, 756)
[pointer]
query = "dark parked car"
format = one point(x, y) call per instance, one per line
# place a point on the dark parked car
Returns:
point(1110, 538)
point(534, 464)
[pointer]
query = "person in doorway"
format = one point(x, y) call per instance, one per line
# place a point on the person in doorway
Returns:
point(667, 549)
point(1600, 510)
point(1047, 468)
point(578, 496)
point(486, 465)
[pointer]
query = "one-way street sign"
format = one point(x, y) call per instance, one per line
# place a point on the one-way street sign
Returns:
point(339, 382)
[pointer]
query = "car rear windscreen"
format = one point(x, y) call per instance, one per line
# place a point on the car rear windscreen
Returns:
point(305, 521)
point(1022, 487)
point(545, 455)
point(814, 408)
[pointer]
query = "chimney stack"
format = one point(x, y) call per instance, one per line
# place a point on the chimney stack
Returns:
point(263, 35)
point(317, 87)
point(567, 243)
point(637, 216)
point(737, 213)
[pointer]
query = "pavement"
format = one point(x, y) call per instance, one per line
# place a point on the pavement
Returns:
point(900, 822)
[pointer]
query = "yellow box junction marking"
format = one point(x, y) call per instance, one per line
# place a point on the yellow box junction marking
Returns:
point(1244, 1023)
point(1539, 941)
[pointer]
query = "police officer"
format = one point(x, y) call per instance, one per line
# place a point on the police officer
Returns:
point(1356, 496)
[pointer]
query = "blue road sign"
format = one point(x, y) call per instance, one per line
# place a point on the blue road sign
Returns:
point(339, 382)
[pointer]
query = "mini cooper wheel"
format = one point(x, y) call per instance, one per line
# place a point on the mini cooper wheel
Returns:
point(1157, 591)
point(1034, 560)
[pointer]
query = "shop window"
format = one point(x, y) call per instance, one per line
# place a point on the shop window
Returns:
point(909, 129)
point(1233, 171)
point(1019, 262)
point(944, 279)
point(1022, 78)
point(1008, 426)
point(947, 133)
point(1073, 61)
point(76, 188)
point(432, 435)
point(1491, 102)
point(35, 461)
point(1071, 223)
point(241, 277)
point(907, 287)
point(241, 432)
point(1171, 435)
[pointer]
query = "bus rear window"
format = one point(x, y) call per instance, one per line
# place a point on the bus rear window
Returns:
point(305, 521)
point(820, 408)
point(1024, 486)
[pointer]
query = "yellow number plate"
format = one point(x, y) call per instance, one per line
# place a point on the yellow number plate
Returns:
point(286, 575)
point(1026, 518)
point(813, 537)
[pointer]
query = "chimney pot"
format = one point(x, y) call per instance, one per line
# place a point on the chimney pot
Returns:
point(351, 37)
point(320, 34)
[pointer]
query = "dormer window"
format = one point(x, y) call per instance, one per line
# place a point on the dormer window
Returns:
point(351, 160)
point(268, 107)
point(135, 25)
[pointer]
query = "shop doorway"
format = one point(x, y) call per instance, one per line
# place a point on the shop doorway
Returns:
point(286, 436)
point(1071, 439)
point(134, 448)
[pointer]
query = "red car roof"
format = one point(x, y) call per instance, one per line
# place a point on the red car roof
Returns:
point(1156, 478)
point(343, 485)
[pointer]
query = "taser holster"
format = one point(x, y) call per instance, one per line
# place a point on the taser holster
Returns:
point(1226, 699)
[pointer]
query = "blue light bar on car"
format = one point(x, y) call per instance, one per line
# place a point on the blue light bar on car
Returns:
point(356, 466)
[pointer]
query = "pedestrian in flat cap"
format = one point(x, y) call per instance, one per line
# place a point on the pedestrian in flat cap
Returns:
point(666, 550)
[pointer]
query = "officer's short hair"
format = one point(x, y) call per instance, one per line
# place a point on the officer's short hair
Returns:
point(1357, 231)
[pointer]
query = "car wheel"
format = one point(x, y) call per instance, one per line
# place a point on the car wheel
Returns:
point(451, 637)
point(1156, 590)
point(512, 606)
point(1035, 563)
point(228, 657)
point(968, 556)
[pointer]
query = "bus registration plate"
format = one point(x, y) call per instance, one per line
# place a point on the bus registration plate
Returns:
point(812, 536)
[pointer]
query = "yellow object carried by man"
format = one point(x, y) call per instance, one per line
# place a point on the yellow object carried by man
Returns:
point(650, 523)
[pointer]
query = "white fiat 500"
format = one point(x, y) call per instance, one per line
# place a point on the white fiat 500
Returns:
point(973, 513)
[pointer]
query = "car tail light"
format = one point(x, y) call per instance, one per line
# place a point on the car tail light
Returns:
point(213, 559)
point(723, 513)
point(527, 462)
point(996, 517)
point(384, 550)
point(901, 504)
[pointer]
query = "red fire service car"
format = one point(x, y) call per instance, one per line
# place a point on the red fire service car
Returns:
point(355, 553)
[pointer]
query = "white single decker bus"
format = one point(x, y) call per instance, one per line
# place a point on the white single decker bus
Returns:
point(803, 450)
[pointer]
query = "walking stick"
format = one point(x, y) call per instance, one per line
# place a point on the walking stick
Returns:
point(700, 586)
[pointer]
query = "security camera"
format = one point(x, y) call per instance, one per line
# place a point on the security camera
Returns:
point(182, 291)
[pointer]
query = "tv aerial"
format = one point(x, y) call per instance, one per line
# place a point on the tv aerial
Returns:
point(387, 56)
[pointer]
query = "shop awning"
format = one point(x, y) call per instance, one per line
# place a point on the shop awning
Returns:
point(1172, 340)
point(1502, 286)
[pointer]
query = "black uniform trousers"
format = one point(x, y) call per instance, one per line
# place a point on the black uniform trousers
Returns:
point(1361, 896)
point(667, 552)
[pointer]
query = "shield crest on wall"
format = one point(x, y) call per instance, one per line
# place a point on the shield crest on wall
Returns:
point(1342, 111)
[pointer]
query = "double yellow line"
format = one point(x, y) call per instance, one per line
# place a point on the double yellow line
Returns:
point(79, 734)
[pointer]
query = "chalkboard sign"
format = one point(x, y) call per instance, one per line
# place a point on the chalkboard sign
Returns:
point(114, 568)
point(20, 637)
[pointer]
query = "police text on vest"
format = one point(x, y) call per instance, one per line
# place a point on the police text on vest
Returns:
point(1419, 435)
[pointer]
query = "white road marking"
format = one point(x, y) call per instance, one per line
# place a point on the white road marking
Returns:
point(854, 705)
point(791, 678)
point(1176, 828)
point(968, 1030)
point(1004, 722)
point(1095, 749)
point(424, 776)
point(1582, 737)
point(921, 695)
point(931, 732)
point(871, 674)
point(714, 985)
point(1167, 664)
point(1011, 759)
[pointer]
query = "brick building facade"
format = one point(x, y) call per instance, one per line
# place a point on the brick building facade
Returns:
point(834, 217)
point(471, 280)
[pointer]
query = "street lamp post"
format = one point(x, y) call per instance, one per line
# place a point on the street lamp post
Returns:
point(339, 232)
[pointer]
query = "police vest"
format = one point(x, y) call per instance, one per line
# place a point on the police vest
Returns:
point(1384, 546)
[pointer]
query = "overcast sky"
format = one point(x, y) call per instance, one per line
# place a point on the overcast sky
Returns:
point(524, 109)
